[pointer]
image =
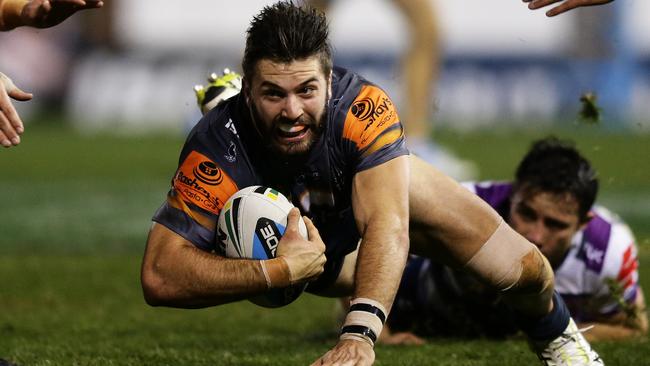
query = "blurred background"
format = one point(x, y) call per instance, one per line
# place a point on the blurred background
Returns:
point(113, 102)
point(131, 65)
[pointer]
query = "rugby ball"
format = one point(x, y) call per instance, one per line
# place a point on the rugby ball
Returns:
point(251, 225)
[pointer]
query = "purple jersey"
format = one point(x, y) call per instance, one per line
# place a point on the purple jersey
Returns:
point(600, 267)
point(599, 270)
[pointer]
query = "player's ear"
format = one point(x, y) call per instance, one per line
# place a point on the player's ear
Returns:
point(245, 88)
point(586, 219)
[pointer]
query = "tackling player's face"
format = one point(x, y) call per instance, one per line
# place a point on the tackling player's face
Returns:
point(548, 220)
point(288, 103)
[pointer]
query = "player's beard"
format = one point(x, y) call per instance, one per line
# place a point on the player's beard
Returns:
point(294, 151)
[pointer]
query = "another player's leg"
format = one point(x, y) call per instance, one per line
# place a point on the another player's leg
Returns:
point(451, 224)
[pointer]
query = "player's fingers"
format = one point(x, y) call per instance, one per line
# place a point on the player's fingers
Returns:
point(563, 8)
point(91, 4)
point(46, 7)
point(312, 231)
point(292, 219)
point(8, 136)
point(4, 141)
point(10, 122)
point(536, 4)
point(69, 2)
point(20, 95)
point(572, 4)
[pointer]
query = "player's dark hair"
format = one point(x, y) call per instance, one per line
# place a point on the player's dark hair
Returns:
point(284, 32)
point(555, 166)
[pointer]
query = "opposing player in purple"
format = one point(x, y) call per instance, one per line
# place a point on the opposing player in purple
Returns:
point(551, 203)
point(333, 142)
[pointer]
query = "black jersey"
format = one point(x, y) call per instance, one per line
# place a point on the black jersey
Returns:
point(224, 154)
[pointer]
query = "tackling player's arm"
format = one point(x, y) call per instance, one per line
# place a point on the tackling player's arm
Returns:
point(630, 323)
point(176, 273)
point(380, 203)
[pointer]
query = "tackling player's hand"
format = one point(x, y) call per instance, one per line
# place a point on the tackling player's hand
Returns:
point(10, 124)
point(304, 257)
point(565, 6)
point(400, 339)
point(348, 352)
point(48, 13)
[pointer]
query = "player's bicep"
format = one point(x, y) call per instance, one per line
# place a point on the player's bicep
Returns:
point(199, 190)
point(381, 193)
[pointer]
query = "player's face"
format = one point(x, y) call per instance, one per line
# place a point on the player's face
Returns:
point(288, 103)
point(546, 219)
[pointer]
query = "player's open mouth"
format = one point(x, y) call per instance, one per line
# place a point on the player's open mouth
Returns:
point(292, 132)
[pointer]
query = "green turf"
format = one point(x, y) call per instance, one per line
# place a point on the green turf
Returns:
point(72, 230)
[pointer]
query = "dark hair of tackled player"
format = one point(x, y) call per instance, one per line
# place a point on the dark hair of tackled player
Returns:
point(555, 166)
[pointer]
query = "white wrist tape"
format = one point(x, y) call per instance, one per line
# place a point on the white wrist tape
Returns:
point(364, 321)
point(276, 272)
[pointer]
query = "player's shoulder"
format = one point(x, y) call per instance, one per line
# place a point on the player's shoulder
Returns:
point(605, 242)
point(215, 132)
point(360, 110)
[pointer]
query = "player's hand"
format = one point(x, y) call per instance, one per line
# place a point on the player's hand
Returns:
point(305, 258)
point(11, 125)
point(48, 13)
point(400, 339)
point(565, 5)
point(348, 352)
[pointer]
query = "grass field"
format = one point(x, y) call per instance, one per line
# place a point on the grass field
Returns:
point(75, 212)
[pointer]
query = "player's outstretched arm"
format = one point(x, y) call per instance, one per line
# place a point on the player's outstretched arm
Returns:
point(380, 202)
point(175, 273)
point(11, 126)
point(41, 13)
point(628, 324)
point(564, 6)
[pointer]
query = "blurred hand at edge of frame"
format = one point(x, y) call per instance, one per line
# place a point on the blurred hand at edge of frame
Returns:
point(48, 13)
point(565, 5)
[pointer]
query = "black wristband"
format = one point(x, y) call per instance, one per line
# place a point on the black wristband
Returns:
point(360, 329)
point(369, 309)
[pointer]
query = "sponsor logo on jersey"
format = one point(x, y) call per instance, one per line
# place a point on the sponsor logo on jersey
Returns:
point(208, 173)
point(370, 115)
point(363, 109)
point(201, 182)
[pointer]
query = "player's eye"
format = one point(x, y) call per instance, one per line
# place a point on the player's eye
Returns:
point(307, 90)
point(526, 213)
point(273, 93)
point(555, 224)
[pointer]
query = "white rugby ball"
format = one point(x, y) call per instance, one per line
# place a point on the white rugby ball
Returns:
point(251, 225)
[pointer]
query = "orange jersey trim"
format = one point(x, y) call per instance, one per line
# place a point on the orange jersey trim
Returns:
point(201, 182)
point(371, 113)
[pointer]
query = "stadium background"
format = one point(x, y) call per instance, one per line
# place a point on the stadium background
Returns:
point(113, 99)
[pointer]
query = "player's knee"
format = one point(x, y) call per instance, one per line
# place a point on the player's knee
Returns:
point(508, 262)
point(536, 275)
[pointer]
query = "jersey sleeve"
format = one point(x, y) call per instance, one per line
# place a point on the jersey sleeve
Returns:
point(372, 129)
point(199, 189)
